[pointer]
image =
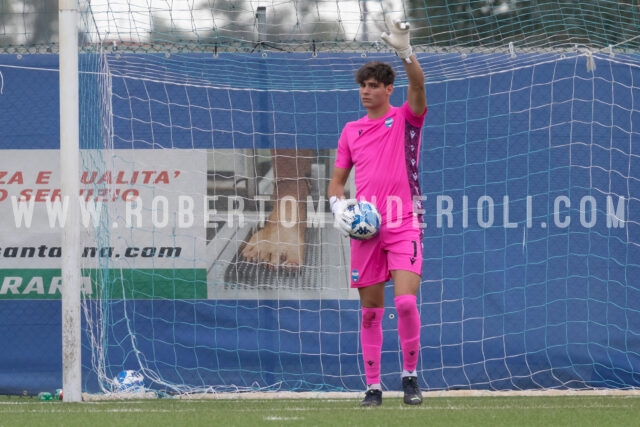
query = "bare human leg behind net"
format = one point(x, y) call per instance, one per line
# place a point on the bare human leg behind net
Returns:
point(281, 242)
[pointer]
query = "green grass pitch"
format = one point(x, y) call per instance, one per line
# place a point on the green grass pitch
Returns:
point(490, 411)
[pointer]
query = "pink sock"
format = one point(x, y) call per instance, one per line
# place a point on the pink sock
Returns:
point(408, 330)
point(371, 340)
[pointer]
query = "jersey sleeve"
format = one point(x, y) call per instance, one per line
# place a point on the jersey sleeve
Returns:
point(411, 117)
point(343, 154)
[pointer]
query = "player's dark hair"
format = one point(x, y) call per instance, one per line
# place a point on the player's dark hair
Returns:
point(380, 71)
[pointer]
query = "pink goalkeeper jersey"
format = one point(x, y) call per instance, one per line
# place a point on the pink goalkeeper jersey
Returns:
point(385, 154)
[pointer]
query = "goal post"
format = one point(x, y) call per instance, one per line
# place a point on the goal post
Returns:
point(70, 188)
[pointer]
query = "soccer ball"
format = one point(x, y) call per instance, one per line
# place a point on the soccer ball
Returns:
point(366, 220)
point(128, 381)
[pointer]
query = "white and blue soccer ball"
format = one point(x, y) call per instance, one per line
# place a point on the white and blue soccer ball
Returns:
point(128, 381)
point(366, 220)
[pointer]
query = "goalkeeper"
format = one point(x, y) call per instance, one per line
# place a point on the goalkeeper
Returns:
point(383, 146)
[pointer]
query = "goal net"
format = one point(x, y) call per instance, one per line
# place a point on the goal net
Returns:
point(208, 132)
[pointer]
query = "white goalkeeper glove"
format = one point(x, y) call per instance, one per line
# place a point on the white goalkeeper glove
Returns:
point(399, 38)
point(342, 214)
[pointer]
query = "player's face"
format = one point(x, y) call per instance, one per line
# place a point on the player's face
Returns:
point(374, 94)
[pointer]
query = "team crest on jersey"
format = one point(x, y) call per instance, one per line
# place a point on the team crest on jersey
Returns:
point(355, 275)
point(388, 122)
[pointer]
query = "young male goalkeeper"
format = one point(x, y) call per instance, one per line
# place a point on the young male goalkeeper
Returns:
point(383, 146)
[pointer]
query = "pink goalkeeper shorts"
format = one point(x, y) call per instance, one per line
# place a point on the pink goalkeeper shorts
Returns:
point(397, 248)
